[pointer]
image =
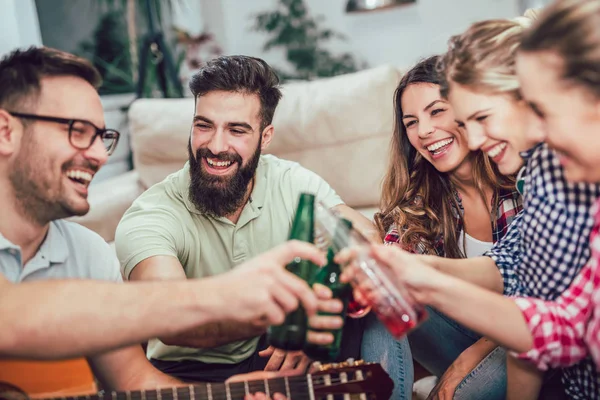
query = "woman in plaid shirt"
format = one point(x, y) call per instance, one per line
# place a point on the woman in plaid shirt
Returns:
point(434, 188)
point(559, 70)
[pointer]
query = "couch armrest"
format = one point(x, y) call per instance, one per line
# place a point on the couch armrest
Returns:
point(109, 200)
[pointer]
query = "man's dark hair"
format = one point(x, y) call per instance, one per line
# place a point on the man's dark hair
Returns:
point(242, 74)
point(22, 71)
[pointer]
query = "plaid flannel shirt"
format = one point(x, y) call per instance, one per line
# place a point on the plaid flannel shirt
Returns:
point(509, 205)
point(566, 330)
point(548, 244)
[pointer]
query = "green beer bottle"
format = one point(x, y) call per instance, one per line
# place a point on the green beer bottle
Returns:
point(329, 276)
point(291, 335)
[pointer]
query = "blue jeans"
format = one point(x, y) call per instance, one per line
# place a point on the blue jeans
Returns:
point(393, 355)
point(435, 345)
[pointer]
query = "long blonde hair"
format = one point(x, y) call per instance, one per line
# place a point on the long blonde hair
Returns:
point(571, 29)
point(416, 197)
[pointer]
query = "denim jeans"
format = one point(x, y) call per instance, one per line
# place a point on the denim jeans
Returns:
point(435, 345)
point(394, 356)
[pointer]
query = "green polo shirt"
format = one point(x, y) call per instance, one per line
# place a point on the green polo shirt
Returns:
point(163, 221)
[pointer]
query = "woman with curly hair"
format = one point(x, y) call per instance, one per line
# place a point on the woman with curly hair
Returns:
point(438, 198)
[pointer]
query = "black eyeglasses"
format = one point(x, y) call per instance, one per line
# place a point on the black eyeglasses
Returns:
point(82, 133)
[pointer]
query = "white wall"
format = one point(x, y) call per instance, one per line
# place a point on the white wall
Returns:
point(399, 36)
point(18, 20)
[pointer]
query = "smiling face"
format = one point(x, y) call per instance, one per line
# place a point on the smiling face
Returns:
point(50, 177)
point(430, 126)
point(500, 125)
point(225, 147)
point(570, 114)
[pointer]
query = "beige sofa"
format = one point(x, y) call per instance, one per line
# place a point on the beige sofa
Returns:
point(338, 127)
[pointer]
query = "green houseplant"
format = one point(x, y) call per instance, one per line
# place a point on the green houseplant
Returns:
point(116, 43)
point(291, 27)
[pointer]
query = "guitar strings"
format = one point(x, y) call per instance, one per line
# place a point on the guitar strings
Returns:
point(298, 388)
point(297, 385)
point(238, 395)
point(296, 391)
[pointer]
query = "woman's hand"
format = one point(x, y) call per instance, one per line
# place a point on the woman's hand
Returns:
point(406, 269)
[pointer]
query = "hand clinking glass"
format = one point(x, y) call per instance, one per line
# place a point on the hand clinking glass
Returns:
point(374, 286)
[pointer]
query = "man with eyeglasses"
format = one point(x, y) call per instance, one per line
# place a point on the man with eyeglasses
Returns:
point(52, 142)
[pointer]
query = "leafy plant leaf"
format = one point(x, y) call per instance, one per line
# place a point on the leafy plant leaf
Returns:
point(291, 27)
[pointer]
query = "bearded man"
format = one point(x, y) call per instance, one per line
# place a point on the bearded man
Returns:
point(228, 204)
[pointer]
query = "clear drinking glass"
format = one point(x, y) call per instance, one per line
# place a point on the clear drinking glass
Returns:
point(378, 289)
point(325, 224)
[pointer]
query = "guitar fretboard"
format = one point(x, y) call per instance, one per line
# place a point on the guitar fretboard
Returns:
point(294, 388)
point(343, 381)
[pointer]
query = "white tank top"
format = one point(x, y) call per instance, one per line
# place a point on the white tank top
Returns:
point(474, 247)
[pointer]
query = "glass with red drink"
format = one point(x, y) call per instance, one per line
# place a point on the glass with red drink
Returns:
point(356, 309)
point(379, 291)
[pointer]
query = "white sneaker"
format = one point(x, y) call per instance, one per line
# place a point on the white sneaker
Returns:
point(423, 387)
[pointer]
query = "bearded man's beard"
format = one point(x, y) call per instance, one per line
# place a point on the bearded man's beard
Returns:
point(217, 195)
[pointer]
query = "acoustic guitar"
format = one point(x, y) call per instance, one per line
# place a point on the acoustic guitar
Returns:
point(350, 380)
point(49, 378)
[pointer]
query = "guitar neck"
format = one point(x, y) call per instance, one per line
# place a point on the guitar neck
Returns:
point(351, 380)
point(297, 387)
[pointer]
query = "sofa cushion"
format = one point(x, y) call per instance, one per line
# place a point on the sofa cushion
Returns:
point(331, 111)
point(338, 127)
point(159, 130)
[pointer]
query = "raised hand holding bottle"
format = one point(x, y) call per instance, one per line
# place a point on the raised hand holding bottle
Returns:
point(291, 335)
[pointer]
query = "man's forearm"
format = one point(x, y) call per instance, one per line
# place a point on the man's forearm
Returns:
point(481, 271)
point(491, 314)
point(213, 335)
point(128, 369)
point(472, 356)
point(480, 350)
point(361, 223)
point(58, 319)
